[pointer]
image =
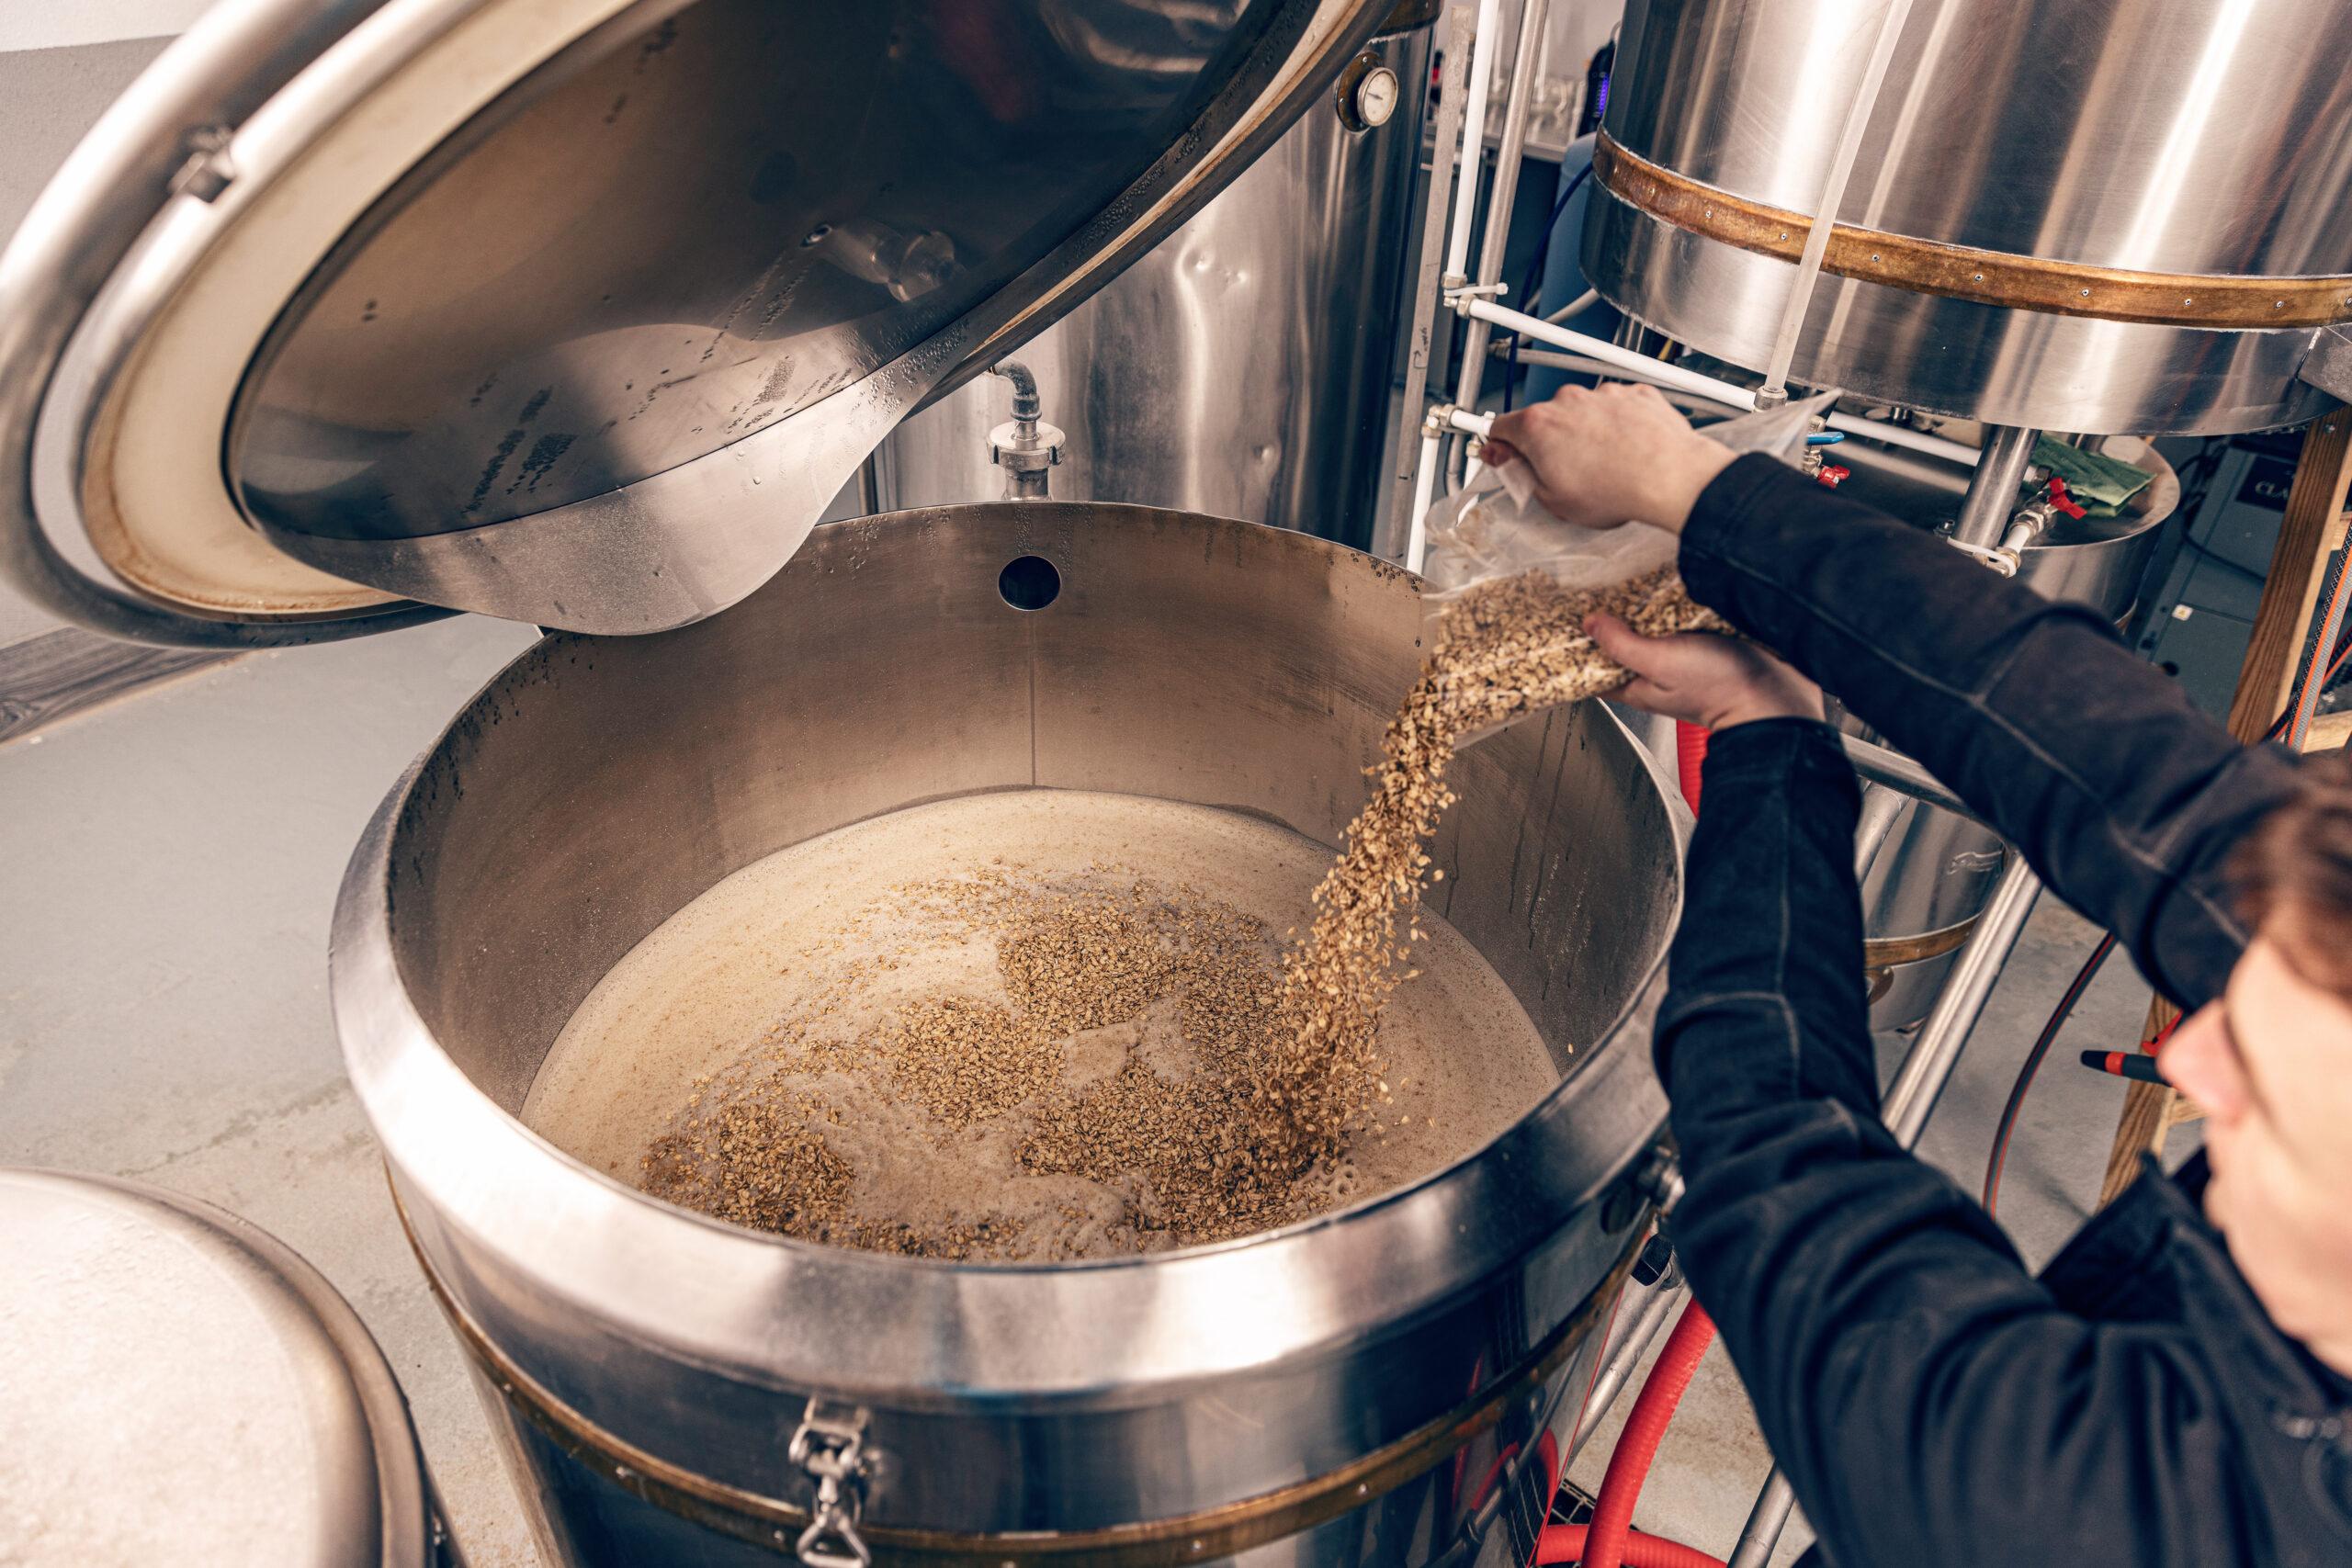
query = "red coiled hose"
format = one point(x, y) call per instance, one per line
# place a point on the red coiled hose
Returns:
point(1565, 1543)
point(1629, 1466)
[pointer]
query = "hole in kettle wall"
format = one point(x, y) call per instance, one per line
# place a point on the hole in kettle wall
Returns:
point(1029, 582)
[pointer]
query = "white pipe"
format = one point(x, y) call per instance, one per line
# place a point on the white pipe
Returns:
point(1992, 498)
point(1545, 359)
point(1641, 367)
point(1499, 199)
point(1453, 43)
point(1624, 360)
point(1904, 436)
point(1833, 196)
point(1416, 541)
point(1881, 807)
point(1620, 1355)
point(1474, 144)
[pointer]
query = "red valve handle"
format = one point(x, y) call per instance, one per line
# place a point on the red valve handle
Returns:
point(2060, 501)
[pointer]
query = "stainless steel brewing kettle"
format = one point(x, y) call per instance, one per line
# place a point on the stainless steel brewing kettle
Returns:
point(1376, 1385)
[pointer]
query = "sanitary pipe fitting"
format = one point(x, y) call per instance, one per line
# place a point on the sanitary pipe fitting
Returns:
point(2033, 519)
point(2030, 523)
point(1024, 446)
point(1809, 462)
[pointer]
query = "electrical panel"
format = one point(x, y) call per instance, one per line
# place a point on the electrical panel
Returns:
point(2200, 621)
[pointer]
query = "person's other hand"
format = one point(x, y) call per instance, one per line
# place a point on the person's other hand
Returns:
point(1611, 454)
point(1705, 678)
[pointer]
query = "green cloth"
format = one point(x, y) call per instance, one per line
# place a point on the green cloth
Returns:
point(2099, 484)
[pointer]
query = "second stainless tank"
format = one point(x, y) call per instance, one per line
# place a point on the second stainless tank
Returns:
point(2100, 215)
point(1241, 367)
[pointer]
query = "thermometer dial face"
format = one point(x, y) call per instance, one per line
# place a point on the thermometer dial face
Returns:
point(1368, 93)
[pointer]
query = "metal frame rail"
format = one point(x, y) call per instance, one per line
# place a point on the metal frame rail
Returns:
point(1462, 102)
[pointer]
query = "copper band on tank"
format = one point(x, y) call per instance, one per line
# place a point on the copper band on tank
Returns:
point(1960, 272)
point(1880, 951)
point(1882, 956)
point(1161, 1543)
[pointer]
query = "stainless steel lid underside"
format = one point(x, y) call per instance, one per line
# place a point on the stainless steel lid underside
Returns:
point(577, 312)
point(678, 232)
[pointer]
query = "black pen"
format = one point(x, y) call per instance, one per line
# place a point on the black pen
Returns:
point(2135, 1065)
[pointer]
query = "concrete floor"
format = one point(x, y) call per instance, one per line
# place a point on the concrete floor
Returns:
point(167, 871)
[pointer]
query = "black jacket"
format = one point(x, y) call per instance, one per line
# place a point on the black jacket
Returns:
point(1932, 1402)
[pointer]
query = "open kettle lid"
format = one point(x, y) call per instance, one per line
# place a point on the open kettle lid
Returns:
point(181, 1388)
point(571, 311)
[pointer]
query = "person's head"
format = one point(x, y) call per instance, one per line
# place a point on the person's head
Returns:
point(2270, 1064)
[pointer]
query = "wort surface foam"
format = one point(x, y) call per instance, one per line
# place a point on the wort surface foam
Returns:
point(1030, 1026)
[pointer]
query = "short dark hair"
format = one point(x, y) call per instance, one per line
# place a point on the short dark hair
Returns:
point(2297, 862)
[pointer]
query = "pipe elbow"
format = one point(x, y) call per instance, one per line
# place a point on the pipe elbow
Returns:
point(1024, 387)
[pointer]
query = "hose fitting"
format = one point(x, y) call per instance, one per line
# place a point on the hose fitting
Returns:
point(1026, 447)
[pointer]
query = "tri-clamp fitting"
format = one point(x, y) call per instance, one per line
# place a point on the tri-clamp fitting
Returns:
point(1024, 446)
point(2028, 523)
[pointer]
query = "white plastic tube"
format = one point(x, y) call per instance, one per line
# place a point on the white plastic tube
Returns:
point(1473, 143)
point(1642, 367)
point(1502, 195)
point(1833, 197)
point(1417, 538)
point(1904, 436)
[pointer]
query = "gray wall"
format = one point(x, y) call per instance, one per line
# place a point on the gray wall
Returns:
point(48, 98)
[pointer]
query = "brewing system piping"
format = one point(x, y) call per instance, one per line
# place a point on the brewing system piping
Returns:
point(1024, 446)
point(1533, 16)
point(1474, 141)
point(1992, 489)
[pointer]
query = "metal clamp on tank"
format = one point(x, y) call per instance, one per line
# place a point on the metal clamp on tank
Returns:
point(1024, 446)
point(831, 1447)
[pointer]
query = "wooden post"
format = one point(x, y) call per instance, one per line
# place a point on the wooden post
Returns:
point(2310, 531)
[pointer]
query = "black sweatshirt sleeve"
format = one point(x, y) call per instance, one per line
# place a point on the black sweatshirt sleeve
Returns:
point(1929, 1402)
point(2120, 793)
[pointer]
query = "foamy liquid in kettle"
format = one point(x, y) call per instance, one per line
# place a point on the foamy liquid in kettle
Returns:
point(862, 1029)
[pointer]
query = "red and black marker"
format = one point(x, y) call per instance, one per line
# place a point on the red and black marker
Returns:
point(2137, 1065)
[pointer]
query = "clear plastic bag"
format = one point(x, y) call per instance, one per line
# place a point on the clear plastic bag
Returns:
point(1508, 585)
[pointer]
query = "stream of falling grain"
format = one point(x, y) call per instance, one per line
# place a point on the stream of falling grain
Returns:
point(1504, 647)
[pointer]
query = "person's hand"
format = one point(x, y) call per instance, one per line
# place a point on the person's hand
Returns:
point(1611, 454)
point(1705, 678)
